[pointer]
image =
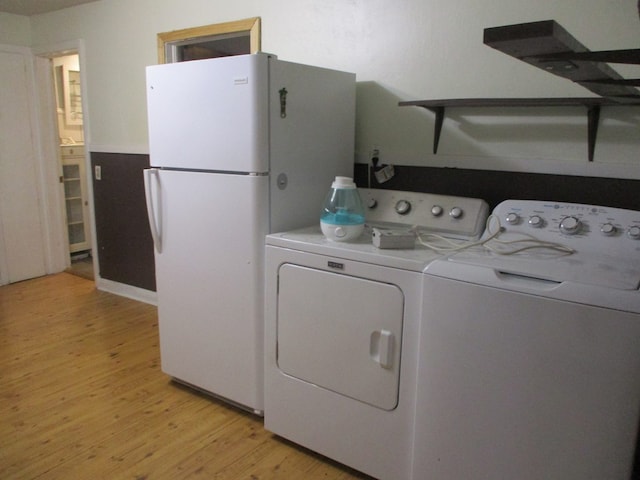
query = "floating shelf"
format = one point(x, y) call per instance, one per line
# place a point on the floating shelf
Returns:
point(548, 46)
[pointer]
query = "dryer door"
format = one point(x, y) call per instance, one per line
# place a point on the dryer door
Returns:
point(341, 333)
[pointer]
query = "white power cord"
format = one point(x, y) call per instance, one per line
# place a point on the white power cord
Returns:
point(529, 242)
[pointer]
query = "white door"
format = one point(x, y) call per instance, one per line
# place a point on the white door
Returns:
point(210, 279)
point(341, 333)
point(22, 247)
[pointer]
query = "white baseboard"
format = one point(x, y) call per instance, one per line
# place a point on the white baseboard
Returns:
point(129, 291)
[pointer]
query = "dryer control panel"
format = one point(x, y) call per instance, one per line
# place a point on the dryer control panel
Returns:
point(456, 217)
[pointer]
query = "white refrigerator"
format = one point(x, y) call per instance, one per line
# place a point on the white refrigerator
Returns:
point(240, 147)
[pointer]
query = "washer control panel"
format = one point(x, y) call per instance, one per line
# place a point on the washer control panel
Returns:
point(588, 227)
point(454, 216)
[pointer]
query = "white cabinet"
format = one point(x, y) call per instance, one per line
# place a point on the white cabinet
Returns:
point(75, 197)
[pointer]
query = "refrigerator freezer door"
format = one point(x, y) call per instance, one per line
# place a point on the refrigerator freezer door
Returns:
point(210, 114)
point(210, 282)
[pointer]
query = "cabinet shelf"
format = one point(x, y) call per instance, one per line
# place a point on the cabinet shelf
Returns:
point(548, 46)
point(75, 192)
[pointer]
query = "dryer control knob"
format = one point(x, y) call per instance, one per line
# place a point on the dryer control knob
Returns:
point(372, 203)
point(536, 221)
point(456, 212)
point(634, 232)
point(436, 210)
point(403, 207)
point(513, 218)
point(608, 229)
point(570, 225)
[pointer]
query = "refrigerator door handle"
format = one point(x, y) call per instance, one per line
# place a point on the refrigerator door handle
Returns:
point(155, 219)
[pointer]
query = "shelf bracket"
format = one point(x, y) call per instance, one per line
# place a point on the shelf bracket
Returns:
point(437, 130)
point(593, 115)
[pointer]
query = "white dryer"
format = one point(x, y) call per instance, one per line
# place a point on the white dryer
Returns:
point(342, 327)
point(530, 361)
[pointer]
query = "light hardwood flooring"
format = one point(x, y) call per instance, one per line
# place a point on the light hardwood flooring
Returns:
point(82, 397)
point(82, 267)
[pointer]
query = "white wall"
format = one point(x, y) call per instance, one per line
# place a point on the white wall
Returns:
point(15, 30)
point(400, 50)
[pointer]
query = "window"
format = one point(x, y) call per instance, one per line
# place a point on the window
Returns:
point(218, 40)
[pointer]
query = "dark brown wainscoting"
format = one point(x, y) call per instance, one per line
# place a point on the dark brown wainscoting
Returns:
point(496, 186)
point(125, 246)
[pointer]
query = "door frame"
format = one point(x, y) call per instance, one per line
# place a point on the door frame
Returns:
point(49, 148)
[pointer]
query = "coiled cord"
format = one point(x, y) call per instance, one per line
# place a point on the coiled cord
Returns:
point(503, 247)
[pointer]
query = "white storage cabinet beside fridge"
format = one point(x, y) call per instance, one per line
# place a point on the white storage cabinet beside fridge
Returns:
point(240, 147)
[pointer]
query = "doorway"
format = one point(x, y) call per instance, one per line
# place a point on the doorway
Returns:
point(71, 158)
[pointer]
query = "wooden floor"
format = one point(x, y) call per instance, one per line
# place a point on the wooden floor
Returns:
point(82, 397)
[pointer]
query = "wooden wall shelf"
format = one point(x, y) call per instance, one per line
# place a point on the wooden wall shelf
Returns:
point(592, 104)
point(548, 46)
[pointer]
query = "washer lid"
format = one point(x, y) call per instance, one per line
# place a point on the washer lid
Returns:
point(605, 250)
point(580, 268)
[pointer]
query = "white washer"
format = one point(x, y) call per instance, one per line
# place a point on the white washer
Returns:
point(341, 332)
point(530, 364)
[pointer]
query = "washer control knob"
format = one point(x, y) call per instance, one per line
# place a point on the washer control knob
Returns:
point(372, 203)
point(634, 232)
point(403, 207)
point(570, 225)
point(436, 210)
point(456, 212)
point(513, 218)
point(536, 221)
point(608, 229)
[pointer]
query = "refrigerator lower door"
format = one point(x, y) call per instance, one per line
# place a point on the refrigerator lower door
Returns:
point(210, 281)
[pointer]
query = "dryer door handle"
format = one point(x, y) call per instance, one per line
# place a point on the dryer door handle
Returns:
point(381, 347)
